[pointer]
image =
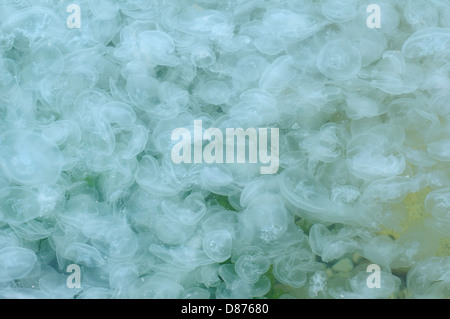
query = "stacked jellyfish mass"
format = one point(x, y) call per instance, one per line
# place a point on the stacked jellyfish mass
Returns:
point(88, 104)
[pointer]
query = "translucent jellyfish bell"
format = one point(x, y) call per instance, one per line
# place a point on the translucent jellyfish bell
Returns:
point(208, 275)
point(222, 31)
point(249, 68)
point(251, 267)
point(238, 289)
point(421, 14)
point(265, 185)
point(173, 100)
point(360, 106)
point(276, 76)
point(18, 205)
point(326, 145)
point(45, 60)
point(430, 277)
point(304, 190)
point(104, 9)
point(427, 42)
point(183, 256)
point(395, 75)
point(371, 155)
point(215, 178)
point(202, 56)
point(270, 45)
point(289, 271)
point(268, 218)
point(217, 245)
point(390, 18)
point(103, 31)
point(339, 60)
point(299, 5)
point(168, 231)
point(339, 10)
point(112, 237)
point(67, 135)
point(16, 263)
point(33, 230)
point(122, 275)
point(148, 176)
point(200, 22)
point(54, 284)
point(258, 107)
point(18, 108)
point(290, 25)
point(84, 254)
point(371, 44)
point(141, 10)
point(143, 91)
point(8, 238)
point(159, 47)
point(31, 25)
point(188, 212)
point(330, 246)
point(100, 138)
point(29, 159)
point(118, 113)
point(215, 92)
point(131, 142)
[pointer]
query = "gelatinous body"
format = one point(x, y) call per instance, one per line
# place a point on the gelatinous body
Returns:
point(29, 159)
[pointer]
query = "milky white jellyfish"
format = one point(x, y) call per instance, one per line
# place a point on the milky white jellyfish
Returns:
point(29, 159)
